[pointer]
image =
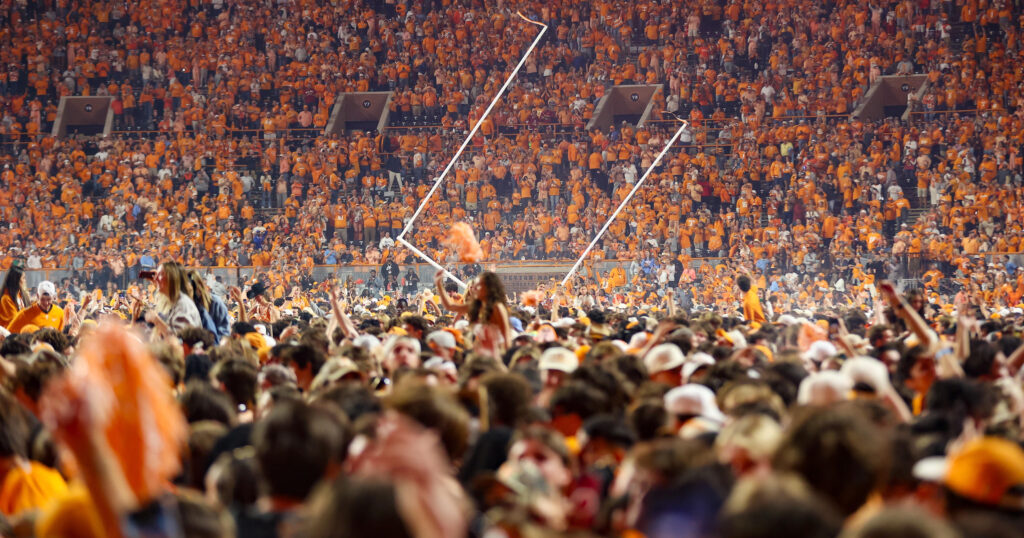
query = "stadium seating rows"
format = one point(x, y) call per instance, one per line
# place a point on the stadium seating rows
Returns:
point(218, 158)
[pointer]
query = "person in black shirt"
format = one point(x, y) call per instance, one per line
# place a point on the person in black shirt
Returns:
point(390, 271)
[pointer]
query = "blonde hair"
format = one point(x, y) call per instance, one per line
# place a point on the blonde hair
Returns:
point(739, 393)
point(200, 293)
point(235, 348)
point(177, 282)
point(758, 435)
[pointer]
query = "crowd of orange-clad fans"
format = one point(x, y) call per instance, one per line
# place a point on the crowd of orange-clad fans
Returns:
point(218, 156)
point(735, 358)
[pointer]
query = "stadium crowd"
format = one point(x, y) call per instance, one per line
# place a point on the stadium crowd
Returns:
point(218, 158)
point(744, 369)
point(180, 412)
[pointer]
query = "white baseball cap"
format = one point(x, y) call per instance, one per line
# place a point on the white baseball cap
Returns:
point(696, 362)
point(823, 388)
point(664, 357)
point(558, 358)
point(868, 371)
point(444, 339)
point(442, 365)
point(46, 288)
point(693, 399)
point(564, 323)
point(368, 342)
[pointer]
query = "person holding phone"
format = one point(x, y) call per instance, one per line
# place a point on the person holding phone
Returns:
point(175, 309)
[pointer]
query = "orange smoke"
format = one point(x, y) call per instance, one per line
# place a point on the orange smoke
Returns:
point(463, 240)
point(531, 298)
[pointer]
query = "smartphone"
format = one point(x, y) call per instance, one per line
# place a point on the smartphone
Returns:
point(147, 275)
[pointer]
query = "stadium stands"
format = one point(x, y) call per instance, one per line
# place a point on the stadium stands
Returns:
point(220, 109)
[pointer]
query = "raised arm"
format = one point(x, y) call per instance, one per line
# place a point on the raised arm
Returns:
point(421, 304)
point(343, 320)
point(665, 327)
point(841, 341)
point(878, 310)
point(555, 303)
point(506, 326)
point(925, 335)
point(446, 300)
point(236, 294)
point(105, 479)
point(769, 308)
point(964, 322)
point(432, 305)
point(1015, 361)
point(975, 297)
point(895, 403)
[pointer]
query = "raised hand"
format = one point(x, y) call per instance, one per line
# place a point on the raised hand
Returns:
point(888, 292)
point(289, 332)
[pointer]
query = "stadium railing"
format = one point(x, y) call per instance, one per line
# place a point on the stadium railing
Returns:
point(519, 275)
point(919, 115)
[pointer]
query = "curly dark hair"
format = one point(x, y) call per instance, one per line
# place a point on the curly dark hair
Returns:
point(480, 311)
point(57, 340)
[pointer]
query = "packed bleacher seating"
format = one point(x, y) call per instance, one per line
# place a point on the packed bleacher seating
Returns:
point(218, 156)
point(805, 323)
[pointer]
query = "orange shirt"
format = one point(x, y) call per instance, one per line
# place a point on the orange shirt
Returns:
point(34, 315)
point(29, 486)
point(752, 306)
point(8, 309)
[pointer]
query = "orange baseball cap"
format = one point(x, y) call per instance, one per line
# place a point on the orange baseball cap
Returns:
point(989, 470)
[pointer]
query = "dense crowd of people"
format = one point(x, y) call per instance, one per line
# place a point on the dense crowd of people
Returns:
point(803, 324)
point(182, 412)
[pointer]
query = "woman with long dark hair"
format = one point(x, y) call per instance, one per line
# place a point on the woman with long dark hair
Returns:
point(13, 294)
point(485, 308)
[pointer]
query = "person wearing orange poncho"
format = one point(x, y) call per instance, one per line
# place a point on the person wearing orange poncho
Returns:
point(24, 485)
point(43, 313)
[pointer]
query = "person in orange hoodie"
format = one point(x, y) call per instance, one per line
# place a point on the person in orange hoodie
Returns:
point(44, 313)
point(13, 294)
